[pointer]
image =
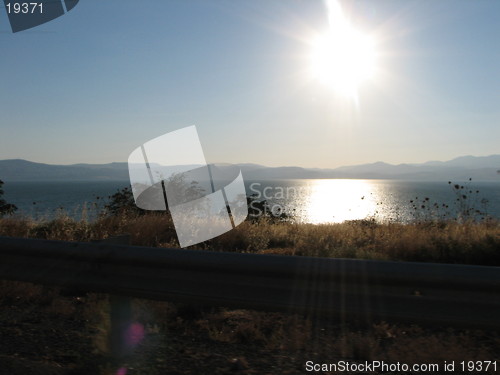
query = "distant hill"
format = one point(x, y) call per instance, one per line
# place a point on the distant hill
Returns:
point(479, 168)
point(23, 170)
point(482, 168)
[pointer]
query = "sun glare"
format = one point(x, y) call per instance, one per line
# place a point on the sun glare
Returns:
point(343, 57)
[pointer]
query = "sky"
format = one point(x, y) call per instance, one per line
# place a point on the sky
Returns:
point(96, 83)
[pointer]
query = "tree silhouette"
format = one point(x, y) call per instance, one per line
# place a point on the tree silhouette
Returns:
point(122, 202)
point(5, 208)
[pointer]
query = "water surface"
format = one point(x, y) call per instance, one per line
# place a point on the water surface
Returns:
point(310, 201)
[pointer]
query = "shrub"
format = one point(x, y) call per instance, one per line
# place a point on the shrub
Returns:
point(5, 208)
point(122, 202)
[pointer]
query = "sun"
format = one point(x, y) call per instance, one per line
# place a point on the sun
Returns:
point(343, 58)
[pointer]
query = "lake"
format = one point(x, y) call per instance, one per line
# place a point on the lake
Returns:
point(309, 201)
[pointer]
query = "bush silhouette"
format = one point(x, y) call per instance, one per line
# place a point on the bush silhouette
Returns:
point(5, 208)
point(122, 202)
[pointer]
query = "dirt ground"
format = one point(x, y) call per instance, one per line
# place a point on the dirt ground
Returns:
point(45, 331)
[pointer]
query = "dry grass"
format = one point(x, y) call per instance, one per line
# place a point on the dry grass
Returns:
point(443, 242)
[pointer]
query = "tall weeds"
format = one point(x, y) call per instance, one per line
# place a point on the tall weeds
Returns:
point(444, 242)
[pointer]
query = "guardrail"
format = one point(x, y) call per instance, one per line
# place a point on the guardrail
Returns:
point(345, 288)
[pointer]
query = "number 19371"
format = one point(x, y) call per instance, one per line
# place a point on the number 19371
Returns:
point(24, 8)
point(472, 366)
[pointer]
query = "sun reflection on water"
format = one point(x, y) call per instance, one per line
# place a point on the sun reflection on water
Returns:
point(334, 201)
point(321, 201)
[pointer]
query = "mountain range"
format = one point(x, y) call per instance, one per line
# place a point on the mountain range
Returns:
point(479, 168)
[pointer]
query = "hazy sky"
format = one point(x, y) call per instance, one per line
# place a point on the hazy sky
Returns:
point(93, 85)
